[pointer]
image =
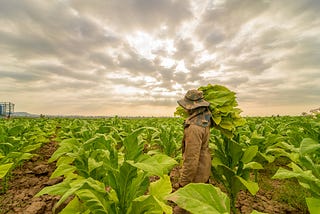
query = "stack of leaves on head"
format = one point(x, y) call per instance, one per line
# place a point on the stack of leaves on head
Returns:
point(225, 115)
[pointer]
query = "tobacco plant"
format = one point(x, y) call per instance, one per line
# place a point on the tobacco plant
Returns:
point(231, 167)
point(19, 138)
point(104, 177)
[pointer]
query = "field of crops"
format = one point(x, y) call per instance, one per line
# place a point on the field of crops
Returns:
point(119, 165)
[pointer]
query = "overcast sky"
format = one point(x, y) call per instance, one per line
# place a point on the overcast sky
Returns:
point(138, 57)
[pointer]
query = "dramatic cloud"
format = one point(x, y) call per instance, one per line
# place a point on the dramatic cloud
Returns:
point(137, 57)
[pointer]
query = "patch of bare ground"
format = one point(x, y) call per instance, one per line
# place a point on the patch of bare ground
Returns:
point(26, 181)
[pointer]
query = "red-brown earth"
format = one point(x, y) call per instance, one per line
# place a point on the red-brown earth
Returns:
point(33, 175)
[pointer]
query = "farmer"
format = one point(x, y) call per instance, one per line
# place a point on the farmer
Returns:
point(196, 166)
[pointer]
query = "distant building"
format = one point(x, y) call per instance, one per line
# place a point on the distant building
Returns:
point(6, 109)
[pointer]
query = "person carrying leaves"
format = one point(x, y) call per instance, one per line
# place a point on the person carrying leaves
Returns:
point(196, 166)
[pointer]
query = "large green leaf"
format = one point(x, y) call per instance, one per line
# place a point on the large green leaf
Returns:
point(159, 190)
point(99, 141)
point(235, 152)
point(65, 160)
point(296, 173)
point(252, 165)
point(93, 164)
point(164, 207)
point(75, 207)
point(57, 189)
point(253, 187)
point(308, 145)
point(4, 169)
point(307, 163)
point(145, 204)
point(66, 146)
point(313, 205)
point(201, 198)
point(158, 164)
point(269, 158)
point(256, 139)
point(226, 124)
point(74, 186)
point(161, 187)
point(226, 171)
point(128, 184)
point(249, 154)
point(132, 144)
point(31, 147)
point(20, 156)
point(216, 119)
point(67, 188)
point(95, 201)
point(63, 169)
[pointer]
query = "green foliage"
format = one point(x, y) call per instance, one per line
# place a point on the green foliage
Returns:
point(108, 172)
point(170, 137)
point(305, 165)
point(107, 163)
point(19, 139)
point(155, 201)
point(314, 205)
point(4, 168)
point(201, 198)
point(158, 164)
point(231, 167)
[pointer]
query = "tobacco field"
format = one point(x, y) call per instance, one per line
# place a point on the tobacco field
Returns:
point(131, 165)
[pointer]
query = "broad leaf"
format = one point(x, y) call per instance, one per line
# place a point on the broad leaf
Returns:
point(67, 145)
point(308, 145)
point(94, 200)
point(201, 198)
point(249, 154)
point(74, 207)
point(63, 169)
point(57, 189)
point(159, 190)
point(252, 165)
point(93, 164)
point(313, 205)
point(253, 187)
point(145, 204)
point(284, 173)
point(4, 168)
point(31, 147)
point(159, 164)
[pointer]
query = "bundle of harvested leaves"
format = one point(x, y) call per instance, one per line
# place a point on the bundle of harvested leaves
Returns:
point(225, 115)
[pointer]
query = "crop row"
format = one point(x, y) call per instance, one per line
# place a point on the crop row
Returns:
point(107, 163)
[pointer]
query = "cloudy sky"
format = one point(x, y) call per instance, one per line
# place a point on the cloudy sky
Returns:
point(138, 57)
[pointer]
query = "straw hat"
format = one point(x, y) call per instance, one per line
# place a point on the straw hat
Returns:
point(193, 99)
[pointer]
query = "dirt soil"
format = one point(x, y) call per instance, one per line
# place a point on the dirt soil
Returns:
point(33, 175)
point(28, 180)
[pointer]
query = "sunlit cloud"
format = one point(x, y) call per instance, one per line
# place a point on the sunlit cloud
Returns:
point(137, 57)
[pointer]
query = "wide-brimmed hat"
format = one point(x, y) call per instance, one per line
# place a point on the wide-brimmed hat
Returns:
point(193, 99)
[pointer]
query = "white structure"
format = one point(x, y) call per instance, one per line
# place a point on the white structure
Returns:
point(6, 109)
